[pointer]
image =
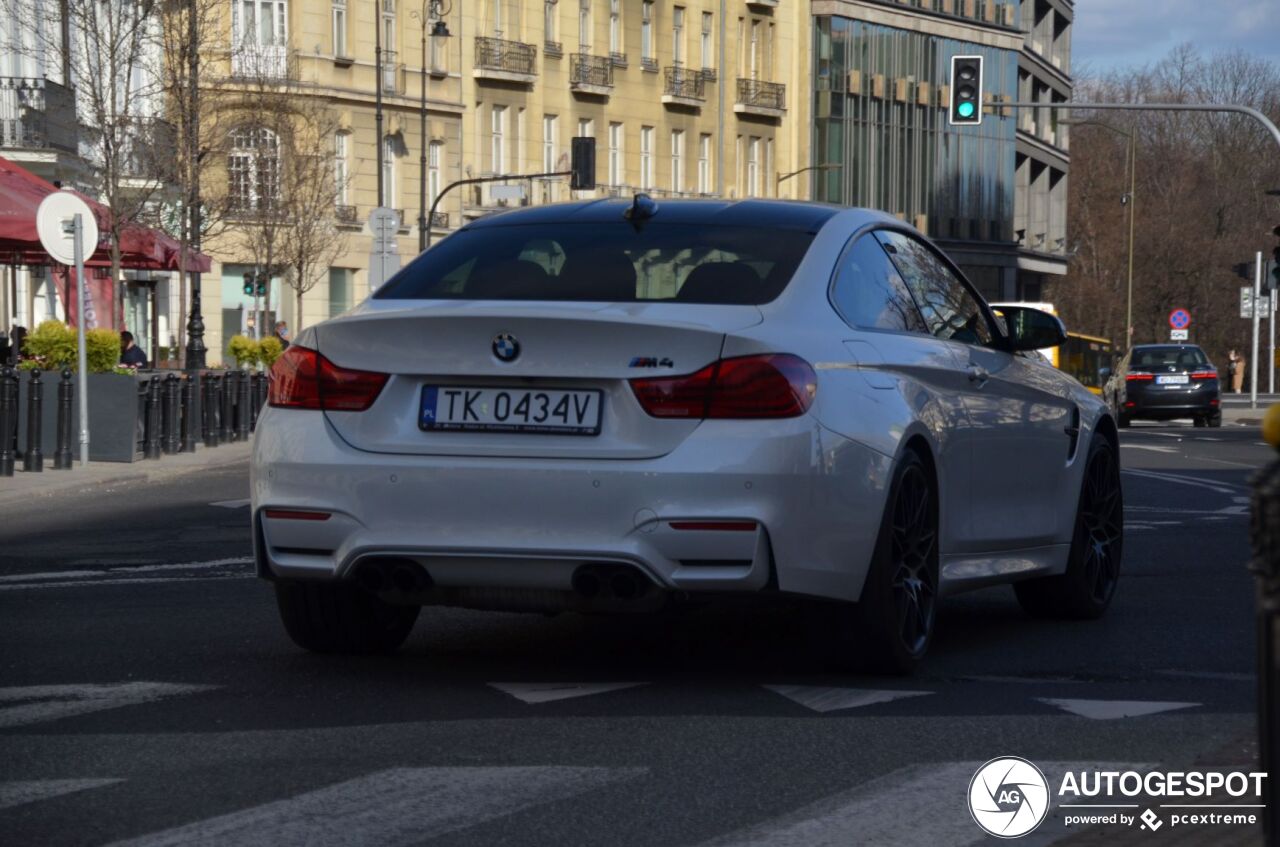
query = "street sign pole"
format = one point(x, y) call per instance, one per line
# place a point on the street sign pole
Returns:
point(1271, 330)
point(77, 236)
point(1257, 295)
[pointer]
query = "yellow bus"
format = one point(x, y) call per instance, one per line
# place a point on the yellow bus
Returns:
point(1082, 356)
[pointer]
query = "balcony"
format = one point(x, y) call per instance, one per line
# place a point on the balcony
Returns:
point(764, 99)
point(553, 48)
point(345, 214)
point(763, 5)
point(619, 59)
point(263, 63)
point(507, 61)
point(37, 114)
point(440, 220)
point(683, 87)
point(148, 152)
point(649, 63)
point(391, 70)
point(590, 74)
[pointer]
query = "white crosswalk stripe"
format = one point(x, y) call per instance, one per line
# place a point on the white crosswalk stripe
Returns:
point(873, 814)
point(1104, 710)
point(546, 692)
point(39, 703)
point(392, 807)
point(29, 791)
point(824, 699)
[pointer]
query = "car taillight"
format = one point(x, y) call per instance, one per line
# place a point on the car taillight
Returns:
point(776, 385)
point(303, 379)
point(1138, 377)
point(1204, 374)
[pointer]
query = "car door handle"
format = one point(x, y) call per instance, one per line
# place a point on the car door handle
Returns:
point(977, 373)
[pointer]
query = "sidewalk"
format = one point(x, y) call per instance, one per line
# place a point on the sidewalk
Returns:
point(25, 486)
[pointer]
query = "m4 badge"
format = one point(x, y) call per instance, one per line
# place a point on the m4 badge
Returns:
point(651, 362)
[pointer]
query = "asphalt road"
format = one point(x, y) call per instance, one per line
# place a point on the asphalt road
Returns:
point(149, 695)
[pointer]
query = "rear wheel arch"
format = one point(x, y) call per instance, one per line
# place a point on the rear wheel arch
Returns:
point(1106, 427)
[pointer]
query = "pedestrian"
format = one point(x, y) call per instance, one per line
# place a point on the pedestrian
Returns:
point(282, 333)
point(131, 355)
point(1235, 369)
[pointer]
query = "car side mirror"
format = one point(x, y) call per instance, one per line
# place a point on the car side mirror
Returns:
point(1031, 329)
point(1104, 373)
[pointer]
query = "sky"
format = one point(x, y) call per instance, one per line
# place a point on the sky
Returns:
point(1116, 33)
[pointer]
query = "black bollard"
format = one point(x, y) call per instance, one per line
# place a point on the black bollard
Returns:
point(171, 414)
point(33, 458)
point(62, 450)
point(1264, 532)
point(151, 446)
point(255, 381)
point(209, 411)
point(227, 422)
point(8, 419)
point(244, 400)
point(185, 397)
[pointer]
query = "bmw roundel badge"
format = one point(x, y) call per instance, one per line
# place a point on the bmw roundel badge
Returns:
point(505, 347)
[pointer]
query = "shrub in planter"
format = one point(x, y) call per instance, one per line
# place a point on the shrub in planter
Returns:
point(244, 350)
point(269, 349)
point(51, 346)
point(102, 350)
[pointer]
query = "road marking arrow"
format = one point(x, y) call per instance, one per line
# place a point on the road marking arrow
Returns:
point(546, 692)
point(823, 699)
point(40, 703)
point(29, 791)
point(1105, 710)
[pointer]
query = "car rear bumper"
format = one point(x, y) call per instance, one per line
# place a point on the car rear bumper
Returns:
point(815, 499)
point(1158, 402)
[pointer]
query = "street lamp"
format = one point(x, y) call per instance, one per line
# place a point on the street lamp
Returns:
point(1125, 200)
point(830, 166)
point(433, 12)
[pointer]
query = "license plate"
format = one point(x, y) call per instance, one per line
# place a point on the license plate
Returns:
point(473, 409)
point(1174, 379)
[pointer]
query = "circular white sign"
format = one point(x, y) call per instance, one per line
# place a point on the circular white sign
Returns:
point(53, 223)
point(1008, 797)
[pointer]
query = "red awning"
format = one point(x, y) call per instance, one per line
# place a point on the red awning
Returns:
point(142, 248)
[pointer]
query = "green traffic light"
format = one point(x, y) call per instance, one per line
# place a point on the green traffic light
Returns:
point(965, 110)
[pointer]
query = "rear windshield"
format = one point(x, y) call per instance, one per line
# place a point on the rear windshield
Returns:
point(609, 262)
point(1159, 357)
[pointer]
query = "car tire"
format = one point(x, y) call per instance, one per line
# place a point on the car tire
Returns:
point(891, 626)
point(1085, 589)
point(336, 617)
point(1216, 420)
point(1200, 421)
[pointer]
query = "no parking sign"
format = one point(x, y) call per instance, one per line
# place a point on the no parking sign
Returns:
point(1179, 319)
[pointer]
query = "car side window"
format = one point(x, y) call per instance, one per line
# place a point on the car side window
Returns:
point(950, 310)
point(869, 293)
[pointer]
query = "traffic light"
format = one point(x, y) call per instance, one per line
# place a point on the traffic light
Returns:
point(262, 285)
point(1242, 270)
point(248, 284)
point(582, 164)
point(966, 91)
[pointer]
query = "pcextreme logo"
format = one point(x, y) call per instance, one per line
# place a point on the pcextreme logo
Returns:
point(1009, 797)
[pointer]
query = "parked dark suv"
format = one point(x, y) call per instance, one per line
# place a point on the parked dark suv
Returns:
point(1160, 382)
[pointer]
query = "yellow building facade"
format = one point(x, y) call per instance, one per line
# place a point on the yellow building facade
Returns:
point(695, 98)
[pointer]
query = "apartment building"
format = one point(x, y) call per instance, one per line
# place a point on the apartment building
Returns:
point(684, 99)
point(993, 195)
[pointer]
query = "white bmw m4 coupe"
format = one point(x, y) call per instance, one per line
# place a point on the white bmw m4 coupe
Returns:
point(621, 405)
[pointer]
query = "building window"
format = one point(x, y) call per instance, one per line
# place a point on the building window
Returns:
point(646, 157)
point(389, 171)
point(260, 23)
point(616, 176)
point(517, 141)
point(646, 30)
point(768, 166)
point(498, 135)
point(704, 164)
point(549, 132)
point(549, 21)
point(753, 167)
point(677, 35)
point(434, 156)
point(496, 16)
point(677, 160)
point(339, 291)
point(253, 169)
point(586, 128)
point(754, 52)
point(339, 27)
point(615, 27)
point(389, 25)
point(341, 176)
point(708, 60)
point(584, 25)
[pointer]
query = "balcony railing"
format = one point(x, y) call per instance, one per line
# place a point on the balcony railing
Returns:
point(501, 59)
point(37, 113)
point(390, 72)
point(149, 149)
point(762, 98)
point(440, 220)
point(592, 74)
point(649, 63)
point(681, 85)
point(619, 59)
point(263, 63)
point(344, 214)
point(553, 48)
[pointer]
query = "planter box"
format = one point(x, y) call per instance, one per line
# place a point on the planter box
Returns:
point(116, 424)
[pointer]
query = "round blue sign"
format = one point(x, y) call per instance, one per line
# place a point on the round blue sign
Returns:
point(1179, 319)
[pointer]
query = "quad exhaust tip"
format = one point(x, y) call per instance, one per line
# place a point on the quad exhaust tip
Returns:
point(620, 582)
point(403, 575)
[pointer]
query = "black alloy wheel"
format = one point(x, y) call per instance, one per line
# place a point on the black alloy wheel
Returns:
point(1093, 567)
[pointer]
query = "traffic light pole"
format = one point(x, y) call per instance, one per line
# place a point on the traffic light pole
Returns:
point(479, 180)
point(1257, 297)
point(1155, 107)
